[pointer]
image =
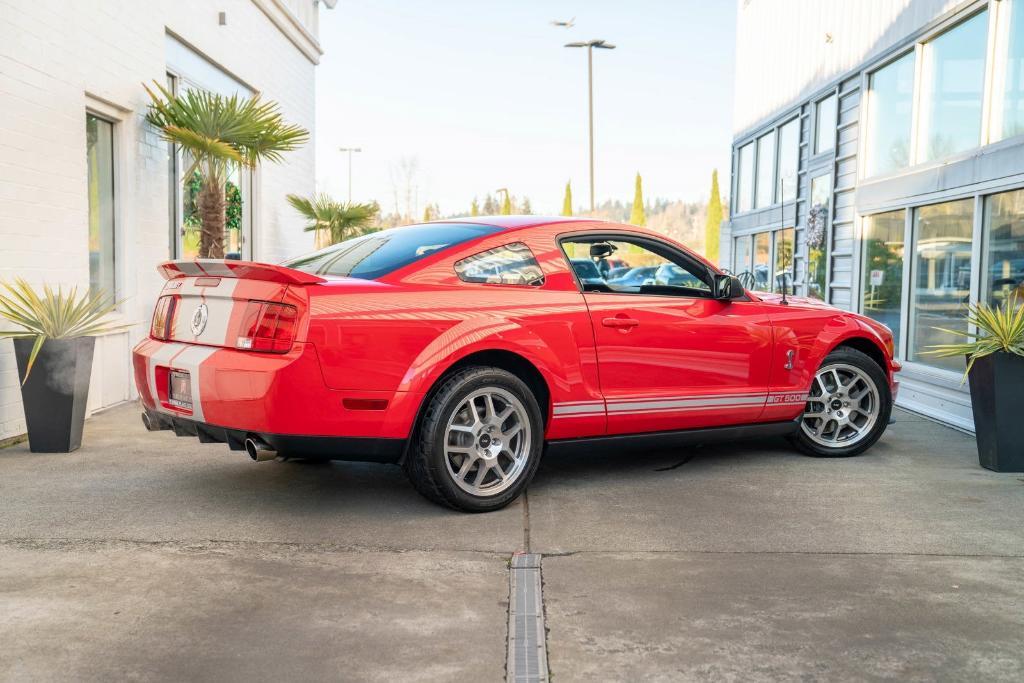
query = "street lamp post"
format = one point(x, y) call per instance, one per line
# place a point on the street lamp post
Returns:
point(350, 150)
point(590, 45)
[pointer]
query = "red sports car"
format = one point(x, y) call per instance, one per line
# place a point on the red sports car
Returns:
point(464, 349)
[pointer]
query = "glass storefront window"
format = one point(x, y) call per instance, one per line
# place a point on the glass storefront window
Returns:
point(745, 181)
point(783, 278)
point(817, 235)
point(882, 275)
point(99, 136)
point(762, 258)
point(1003, 263)
point(941, 279)
point(1008, 76)
point(890, 111)
point(952, 90)
point(765, 170)
point(825, 125)
point(741, 260)
point(789, 159)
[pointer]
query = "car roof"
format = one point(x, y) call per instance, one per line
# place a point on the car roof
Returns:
point(516, 222)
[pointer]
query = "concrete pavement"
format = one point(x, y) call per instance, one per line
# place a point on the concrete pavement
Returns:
point(154, 557)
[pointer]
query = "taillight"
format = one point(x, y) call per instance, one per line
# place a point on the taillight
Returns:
point(163, 317)
point(267, 327)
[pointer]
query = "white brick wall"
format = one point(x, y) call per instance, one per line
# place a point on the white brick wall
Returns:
point(57, 58)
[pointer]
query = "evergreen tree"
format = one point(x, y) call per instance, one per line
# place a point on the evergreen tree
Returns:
point(567, 202)
point(474, 208)
point(490, 205)
point(637, 217)
point(714, 220)
point(506, 204)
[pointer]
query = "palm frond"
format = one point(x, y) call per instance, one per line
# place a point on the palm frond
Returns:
point(54, 315)
point(340, 220)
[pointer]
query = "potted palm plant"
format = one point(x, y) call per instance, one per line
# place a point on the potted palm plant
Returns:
point(333, 221)
point(995, 368)
point(220, 133)
point(53, 350)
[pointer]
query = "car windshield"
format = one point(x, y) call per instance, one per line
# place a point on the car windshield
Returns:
point(369, 257)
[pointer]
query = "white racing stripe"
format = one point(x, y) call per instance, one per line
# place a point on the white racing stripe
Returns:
point(190, 359)
point(642, 406)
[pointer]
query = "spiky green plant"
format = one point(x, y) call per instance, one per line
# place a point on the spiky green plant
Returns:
point(1000, 329)
point(220, 133)
point(338, 220)
point(54, 315)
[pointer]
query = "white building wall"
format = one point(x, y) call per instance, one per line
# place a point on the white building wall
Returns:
point(788, 49)
point(59, 58)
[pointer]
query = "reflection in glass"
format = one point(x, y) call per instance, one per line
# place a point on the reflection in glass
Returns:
point(745, 183)
point(1008, 105)
point(742, 267)
point(762, 257)
point(783, 280)
point(952, 87)
point(882, 277)
point(825, 125)
point(99, 135)
point(765, 170)
point(890, 105)
point(942, 278)
point(789, 158)
point(1003, 228)
point(817, 235)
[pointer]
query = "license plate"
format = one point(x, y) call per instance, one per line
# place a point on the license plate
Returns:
point(180, 391)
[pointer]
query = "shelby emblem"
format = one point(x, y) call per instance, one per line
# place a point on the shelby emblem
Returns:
point(199, 320)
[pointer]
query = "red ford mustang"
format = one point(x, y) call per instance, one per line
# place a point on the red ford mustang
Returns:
point(463, 349)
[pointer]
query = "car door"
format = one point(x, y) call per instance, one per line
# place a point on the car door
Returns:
point(671, 357)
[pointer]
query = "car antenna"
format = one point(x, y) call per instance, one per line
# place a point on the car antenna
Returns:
point(782, 210)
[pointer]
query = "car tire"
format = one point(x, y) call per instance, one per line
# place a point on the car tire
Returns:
point(842, 420)
point(478, 442)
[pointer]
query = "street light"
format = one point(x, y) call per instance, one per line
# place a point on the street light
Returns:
point(590, 45)
point(350, 150)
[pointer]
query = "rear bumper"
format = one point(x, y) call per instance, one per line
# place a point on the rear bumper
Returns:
point(266, 394)
point(364, 449)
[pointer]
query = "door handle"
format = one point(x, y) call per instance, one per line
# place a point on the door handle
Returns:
point(620, 323)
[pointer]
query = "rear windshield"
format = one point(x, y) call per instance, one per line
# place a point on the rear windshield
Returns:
point(375, 255)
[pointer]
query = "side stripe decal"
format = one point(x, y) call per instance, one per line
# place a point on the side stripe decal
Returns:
point(638, 406)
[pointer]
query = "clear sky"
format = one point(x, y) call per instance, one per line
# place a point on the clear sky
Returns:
point(482, 94)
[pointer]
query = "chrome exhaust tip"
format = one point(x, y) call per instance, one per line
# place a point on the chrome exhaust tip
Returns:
point(258, 450)
point(152, 424)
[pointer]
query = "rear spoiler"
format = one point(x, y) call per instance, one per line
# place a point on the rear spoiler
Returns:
point(243, 270)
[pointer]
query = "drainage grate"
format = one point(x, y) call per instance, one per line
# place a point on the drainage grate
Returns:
point(527, 654)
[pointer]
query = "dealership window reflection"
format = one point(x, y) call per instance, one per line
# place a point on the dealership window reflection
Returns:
point(783, 278)
point(1003, 274)
point(942, 272)
point(817, 235)
point(890, 111)
point(765, 171)
point(952, 89)
point(882, 275)
point(99, 135)
point(1008, 73)
point(745, 181)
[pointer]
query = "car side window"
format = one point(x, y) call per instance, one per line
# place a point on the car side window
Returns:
point(509, 264)
point(635, 266)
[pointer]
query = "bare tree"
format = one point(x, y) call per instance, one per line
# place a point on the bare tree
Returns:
point(404, 176)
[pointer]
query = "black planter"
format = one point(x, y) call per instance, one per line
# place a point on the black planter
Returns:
point(56, 392)
point(997, 394)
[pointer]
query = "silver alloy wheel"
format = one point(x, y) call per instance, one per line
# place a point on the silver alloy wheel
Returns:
point(487, 442)
point(842, 408)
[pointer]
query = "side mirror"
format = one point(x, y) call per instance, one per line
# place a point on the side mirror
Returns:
point(728, 287)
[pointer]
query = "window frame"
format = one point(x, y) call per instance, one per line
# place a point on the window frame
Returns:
point(694, 265)
point(539, 282)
